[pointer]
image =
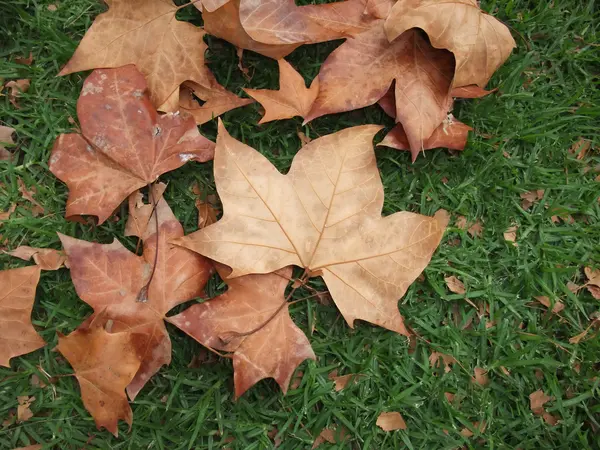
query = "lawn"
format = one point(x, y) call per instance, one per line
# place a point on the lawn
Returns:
point(548, 98)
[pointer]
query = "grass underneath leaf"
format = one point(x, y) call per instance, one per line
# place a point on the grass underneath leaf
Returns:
point(548, 98)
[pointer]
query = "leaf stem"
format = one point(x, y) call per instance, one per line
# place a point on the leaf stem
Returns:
point(142, 296)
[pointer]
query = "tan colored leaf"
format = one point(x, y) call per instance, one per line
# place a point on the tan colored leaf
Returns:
point(27, 194)
point(391, 421)
point(360, 72)
point(113, 281)
point(23, 410)
point(593, 284)
point(580, 148)
point(104, 364)
point(455, 285)
point(125, 144)
point(25, 61)
point(5, 215)
point(292, 99)
point(45, 258)
point(278, 22)
point(224, 23)
point(537, 400)
point(510, 235)
point(30, 447)
point(140, 212)
point(207, 214)
point(452, 135)
point(474, 230)
point(147, 34)
point(558, 305)
point(448, 360)
point(449, 396)
point(481, 377)
point(550, 419)
point(6, 138)
point(17, 88)
point(477, 426)
point(330, 435)
point(480, 42)
point(342, 381)
point(217, 100)
point(324, 216)
point(472, 91)
point(274, 351)
point(17, 294)
point(531, 197)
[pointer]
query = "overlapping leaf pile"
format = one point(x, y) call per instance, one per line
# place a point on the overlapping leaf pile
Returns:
point(324, 216)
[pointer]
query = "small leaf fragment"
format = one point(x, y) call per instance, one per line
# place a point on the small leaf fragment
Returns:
point(391, 421)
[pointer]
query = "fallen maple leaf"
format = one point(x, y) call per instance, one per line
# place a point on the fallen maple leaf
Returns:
point(580, 148)
point(474, 230)
point(123, 34)
point(537, 400)
point(556, 308)
point(216, 98)
point(292, 98)
point(23, 410)
point(251, 320)
point(5, 215)
point(391, 421)
point(510, 235)
point(340, 382)
point(25, 61)
point(104, 364)
point(224, 22)
point(531, 197)
point(480, 42)
point(455, 285)
point(27, 194)
point(324, 216)
point(330, 435)
point(477, 426)
point(472, 91)
point(17, 88)
point(481, 377)
point(17, 294)
point(593, 283)
point(124, 143)
point(452, 135)
point(6, 138)
point(114, 282)
point(576, 339)
point(45, 258)
point(360, 72)
point(448, 360)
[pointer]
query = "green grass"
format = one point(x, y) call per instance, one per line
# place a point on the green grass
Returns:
point(548, 97)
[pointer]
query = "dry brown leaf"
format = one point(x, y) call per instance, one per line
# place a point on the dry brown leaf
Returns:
point(5, 215)
point(330, 435)
point(472, 91)
point(447, 360)
point(391, 421)
point(558, 305)
point(593, 283)
point(52, 7)
point(217, 100)
point(125, 144)
point(122, 35)
point(550, 419)
point(17, 88)
point(104, 364)
point(224, 22)
point(455, 285)
point(576, 339)
point(360, 72)
point(480, 42)
point(537, 400)
point(510, 235)
point(17, 294)
point(452, 135)
point(479, 427)
point(27, 194)
point(324, 216)
point(449, 396)
point(23, 410)
point(340, 382)
point(304, 139)
point(6, 138)
point(474, 230)
point(114, 282)
point(207, 213)
point(45, 258)
point(292, 99)
point(25, 61)
point(580, 148)
point(275, 350)
point(30, 447)
point(531, 197)
point(481, 377)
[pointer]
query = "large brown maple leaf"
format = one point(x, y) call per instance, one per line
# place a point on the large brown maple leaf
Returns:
point(325, 216)
point(17, 294)
point(145, 33)
point(253, 304)
point(480, 42)
point(360, 72)
point(114, 281)
point(124, 143)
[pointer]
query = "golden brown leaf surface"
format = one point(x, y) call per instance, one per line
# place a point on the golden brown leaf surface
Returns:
point(45, 258)
point(6, 138)
point(360, 72)
point(124, 143)
point(104, 364)
point(17, 294)
point(145, 33)
point(324, 216)
point(109, 278)
point(391, 421)
point(274, 351)
point(292, 99)
point(480, 42)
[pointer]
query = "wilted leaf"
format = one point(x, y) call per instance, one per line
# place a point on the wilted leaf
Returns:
point(342, 381)
point(481, 377)
point(6, 138)
point(23, 410)
point(558, 305)
point(25, 61)
point(147, 34)
point(510, 235)
point(360, 72)
point(449, 396)
point(531, 197)
point(5, 215)
point(479, 427)
point(593, 283)
point(480, 42)
point(452, 135)
point(455, 285)
point(17, 88)
point(17, 294)
point(391, 421)
point(27, 194)
point(125, 144)
point(114, 282)
point(324, 216)
point(274, 350)
point(472, 91)
point(292, 99)
point(104, 364)
point(537, 400)
point(45, 258)
point(448, 360)
point(331, 435)
point(580, 148)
